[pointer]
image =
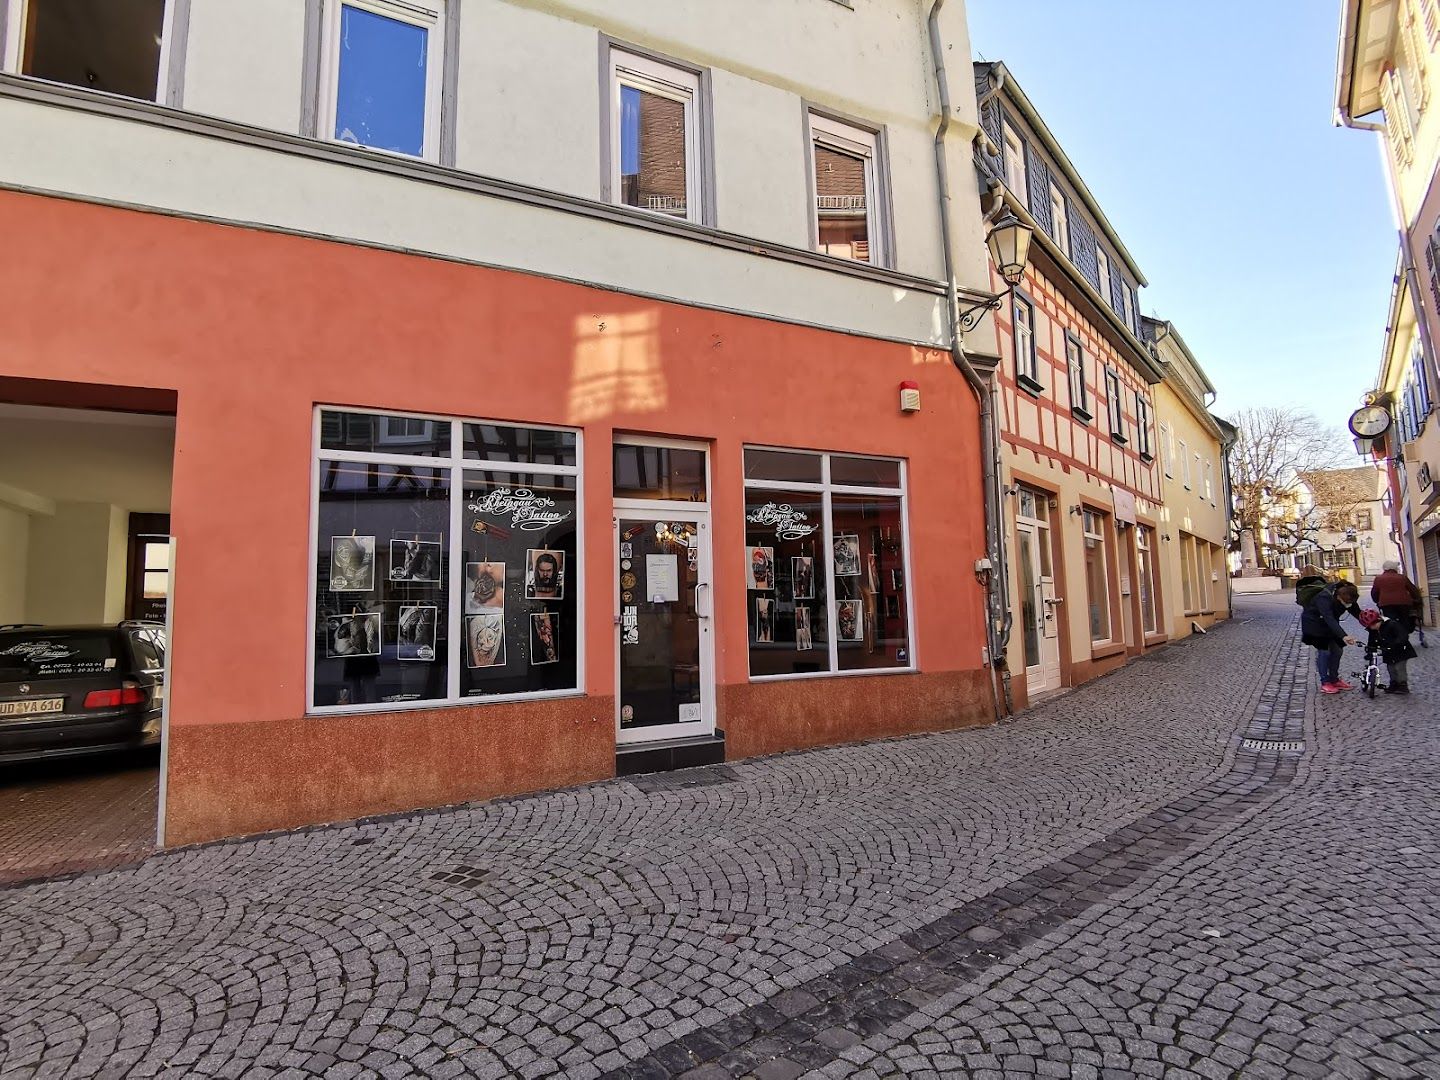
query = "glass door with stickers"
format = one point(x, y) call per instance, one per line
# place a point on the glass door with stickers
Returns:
point(664, 604)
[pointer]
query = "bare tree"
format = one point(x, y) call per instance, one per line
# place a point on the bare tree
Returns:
point(1275, 445)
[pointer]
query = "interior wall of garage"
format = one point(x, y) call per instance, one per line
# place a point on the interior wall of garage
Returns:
point(73, 477)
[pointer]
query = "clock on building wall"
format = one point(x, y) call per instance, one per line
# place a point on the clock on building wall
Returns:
point(1370, 422)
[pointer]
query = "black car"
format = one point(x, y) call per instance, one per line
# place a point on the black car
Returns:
point(72, 690)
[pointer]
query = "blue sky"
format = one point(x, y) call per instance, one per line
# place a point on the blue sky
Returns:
point(1204, 130)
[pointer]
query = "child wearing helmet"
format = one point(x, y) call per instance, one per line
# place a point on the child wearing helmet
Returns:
point(1391, 639)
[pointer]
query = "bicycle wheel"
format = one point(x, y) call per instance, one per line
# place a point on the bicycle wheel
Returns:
point(1371, 678)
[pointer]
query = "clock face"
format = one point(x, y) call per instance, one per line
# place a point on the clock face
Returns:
point(1370, 421)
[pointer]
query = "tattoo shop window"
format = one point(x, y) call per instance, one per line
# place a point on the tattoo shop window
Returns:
point(825, 564)
point(446, 561)
point(1097, 576)
point(654, 151)
point(98, 44)
point(845, 164)
point(1115, 405)
point(1079, 390)
point(383, 61)
point(1027, 365)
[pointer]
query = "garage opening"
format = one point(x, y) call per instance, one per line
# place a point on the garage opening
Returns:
point(85, 578)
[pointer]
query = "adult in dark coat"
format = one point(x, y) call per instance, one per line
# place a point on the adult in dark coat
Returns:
point(1320, 629)
point(1396, 596)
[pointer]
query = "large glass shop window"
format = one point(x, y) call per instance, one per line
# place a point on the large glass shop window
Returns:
point(447, 566)
point(825, 572)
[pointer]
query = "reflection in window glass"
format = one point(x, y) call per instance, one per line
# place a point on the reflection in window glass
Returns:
point(864, 472)
point(659, 472)
point(381, 589)
point(533, 446)
point(782, 465)
point(104, 45)
point(841, 203)
point(788, 609)
point(380, 97)
point(871, 607)
point(365, 433)
point(652, 152)
point(1097, 577)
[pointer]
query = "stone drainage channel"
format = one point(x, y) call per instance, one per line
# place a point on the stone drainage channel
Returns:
point(808, 1026)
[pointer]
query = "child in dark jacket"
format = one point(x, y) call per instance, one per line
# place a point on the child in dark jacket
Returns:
point(1391, 638)
point(1320, 628)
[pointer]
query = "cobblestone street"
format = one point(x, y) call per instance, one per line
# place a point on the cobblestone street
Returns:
point(1133, 879)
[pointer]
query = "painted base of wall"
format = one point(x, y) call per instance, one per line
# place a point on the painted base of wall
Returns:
point(230, 780)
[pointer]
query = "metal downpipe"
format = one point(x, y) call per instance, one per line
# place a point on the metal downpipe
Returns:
point(997, 608)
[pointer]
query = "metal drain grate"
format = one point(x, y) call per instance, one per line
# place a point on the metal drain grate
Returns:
point(1273, 745)
point(709, 776)
point(468, 876)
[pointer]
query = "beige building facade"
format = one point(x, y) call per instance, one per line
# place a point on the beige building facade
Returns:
point(1194, 515)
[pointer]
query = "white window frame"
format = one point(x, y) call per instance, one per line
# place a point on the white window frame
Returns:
point(1102, 264)
point(16, 14)
point(1167, 452)
point(1142, 427)
point(1059, 219)
point(1128, 300)
point(1115, 405)
point(1079, 389)
point(1184, 465)
point(429, 16)
point(641, 73)
point(848, 139)
point(825, 489)
point(1210, 482)
point(1016, 174)
point(1024, 332)
point(461, 470)
point(1087, 516)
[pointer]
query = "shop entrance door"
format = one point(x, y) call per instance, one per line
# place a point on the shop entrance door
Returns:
point(664, 633)
point(1039, 621)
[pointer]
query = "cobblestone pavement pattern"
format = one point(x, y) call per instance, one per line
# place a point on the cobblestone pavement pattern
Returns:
point(76, 813)
point(1149, 876)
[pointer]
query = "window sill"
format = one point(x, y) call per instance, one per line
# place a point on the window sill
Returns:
point(1147, 457)
point(1029, 385)
point(833, 674)
point(1082, 414)
point(1119, 440)
point(321, 712)
point(1106, 650)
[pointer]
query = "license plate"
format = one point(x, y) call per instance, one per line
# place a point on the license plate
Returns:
point(35, 707)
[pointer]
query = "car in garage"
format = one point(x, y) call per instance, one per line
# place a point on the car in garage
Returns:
point(66, 691)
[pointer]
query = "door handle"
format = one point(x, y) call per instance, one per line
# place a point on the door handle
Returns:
point(698, 613)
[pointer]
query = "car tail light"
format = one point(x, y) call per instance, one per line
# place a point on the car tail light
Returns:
point(113, 699)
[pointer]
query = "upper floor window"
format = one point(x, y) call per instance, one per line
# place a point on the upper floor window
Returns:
point(654, 153)
point(1398, 120)
point(1210, 482)
point(1142, 426)
point(1127, 297)
point(1184, 465)
point(1079, 391)
point(1015, 168)
point(1027, 369)
point(1103, 262)
point(1167, 451)
point(1115, 405)
point(383, 62)
point(845, 164)
point(1060, 219)
point(98, 44)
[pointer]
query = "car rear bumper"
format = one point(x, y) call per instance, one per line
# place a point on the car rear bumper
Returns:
point(74, 737)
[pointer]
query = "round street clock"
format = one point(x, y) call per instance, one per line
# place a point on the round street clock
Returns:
point(1370, 422)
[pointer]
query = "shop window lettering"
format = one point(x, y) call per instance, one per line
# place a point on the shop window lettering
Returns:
point(527, 510)
point(790, 524)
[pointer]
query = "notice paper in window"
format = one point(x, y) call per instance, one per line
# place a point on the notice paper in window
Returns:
point(662, 579)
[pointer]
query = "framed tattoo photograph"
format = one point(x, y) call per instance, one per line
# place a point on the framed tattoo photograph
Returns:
point(485, 640)
point(415, 560)
point(352, 635)
point(484, 587)
point(415, 637)
point(847, 555)
point(804, 640)
point(850, 620)
point(544, 574)
point(802, 576)
point(544, 639)
point(764, 619)
point(352, 564)
point(760, 568)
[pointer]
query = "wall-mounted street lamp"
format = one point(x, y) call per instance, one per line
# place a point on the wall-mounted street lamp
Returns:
point(1009, 244)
